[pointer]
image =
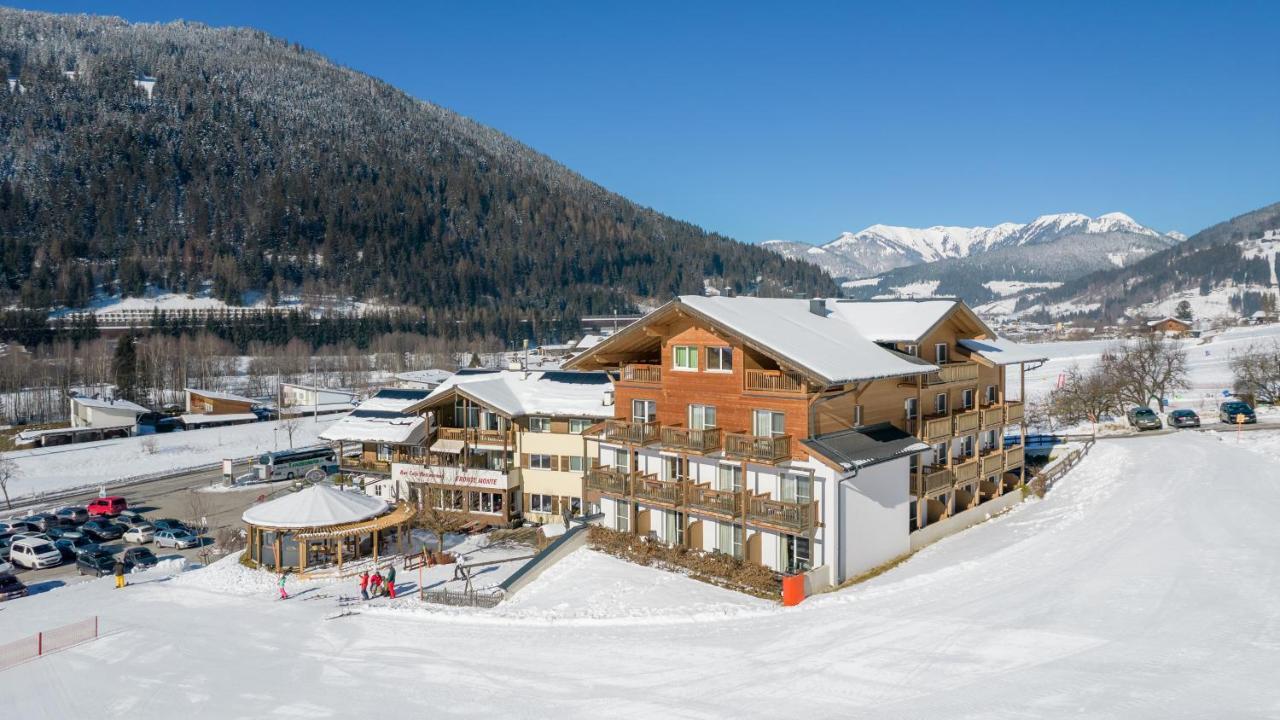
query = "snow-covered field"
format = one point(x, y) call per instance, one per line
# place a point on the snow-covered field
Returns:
point(65, 467)
point(1142, 586)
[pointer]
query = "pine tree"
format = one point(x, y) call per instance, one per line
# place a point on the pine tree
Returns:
point(124, 368)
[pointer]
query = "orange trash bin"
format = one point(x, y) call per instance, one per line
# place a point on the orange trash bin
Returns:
point(792, 590)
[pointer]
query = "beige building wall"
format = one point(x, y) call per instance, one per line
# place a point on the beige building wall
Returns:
point(561, 483)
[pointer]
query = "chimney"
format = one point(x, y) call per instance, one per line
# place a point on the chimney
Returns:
point(818, 307)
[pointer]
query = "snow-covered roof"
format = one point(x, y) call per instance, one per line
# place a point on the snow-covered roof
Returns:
point(1003, 351)
point(516, 393)
point(106, 404)
point(216, 395)
point(212, 418)
point(828, 345)
point(393, 400)
point(1153, 323)
point(380, 427)
point(589, 340)
point(893, 320)
point(319, 505)
point(431, 376)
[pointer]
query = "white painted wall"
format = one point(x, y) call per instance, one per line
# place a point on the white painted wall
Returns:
point(874, 515)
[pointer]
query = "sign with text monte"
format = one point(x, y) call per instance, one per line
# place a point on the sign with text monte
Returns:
point(443, 475)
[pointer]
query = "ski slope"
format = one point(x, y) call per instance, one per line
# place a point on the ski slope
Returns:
point(1142, 586)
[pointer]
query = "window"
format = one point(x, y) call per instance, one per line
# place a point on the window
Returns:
point(447, 499)
point(702, 417)
point(988, 440)
point(940, 352)
point(767, 422)
point(939, 454)
point(540, 462)
point(940, 404)
point(674, 468)
point(729, 477)
point(577, 426)
point(674, 528)
point(797, 488)
point(966, 398)
point(540, 503)
point(796, 554)
point(384, 452)
point(622, 516)
point(911, 349)
point(622, 460)
point(912, 407)
point(857, 415)
point(720, 359)
point(729, 539)
point(643, 411)
point(540, 424)
point(486, 502)
point(576, 463)
point(991, 395)
point(684, 357)
point(966, 446)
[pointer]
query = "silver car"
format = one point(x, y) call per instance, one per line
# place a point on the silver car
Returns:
point(176, 539)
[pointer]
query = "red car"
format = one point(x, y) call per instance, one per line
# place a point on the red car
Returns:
point(109, 506)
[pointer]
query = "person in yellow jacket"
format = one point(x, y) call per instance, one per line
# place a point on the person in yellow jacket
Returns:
point(119, 572)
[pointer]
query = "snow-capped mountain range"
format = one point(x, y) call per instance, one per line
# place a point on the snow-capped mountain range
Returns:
point(881, 248)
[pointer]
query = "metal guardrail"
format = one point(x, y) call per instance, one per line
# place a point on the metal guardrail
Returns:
point(38, 499)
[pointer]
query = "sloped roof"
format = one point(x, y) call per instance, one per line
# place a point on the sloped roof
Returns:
point(216, 395)
point(516, 393)
point(375, 426)
point(893, 320)
point(396, 400)
point(211, 418)
point(865, 446)
point(109, 404)
point(316, 506)
point(1003, 351)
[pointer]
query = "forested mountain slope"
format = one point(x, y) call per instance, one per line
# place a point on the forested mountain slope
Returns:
point(259, 165)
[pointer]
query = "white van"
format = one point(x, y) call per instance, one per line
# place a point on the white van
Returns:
point(34, 553)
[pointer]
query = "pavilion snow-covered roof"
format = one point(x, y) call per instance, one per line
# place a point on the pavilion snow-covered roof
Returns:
point(316, 506)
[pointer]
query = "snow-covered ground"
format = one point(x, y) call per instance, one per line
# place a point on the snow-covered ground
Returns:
point(1141, 586)
point(65, 467)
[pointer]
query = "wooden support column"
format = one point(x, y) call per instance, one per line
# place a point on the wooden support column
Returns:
point(375, 546)
point(341, 542)
point(1022, 426)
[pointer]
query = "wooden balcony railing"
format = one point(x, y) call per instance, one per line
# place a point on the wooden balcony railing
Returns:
point(627, 431)
point(966, 471)
point(798, 517)
point(474, 436)
point(936, 427)
point(609, 480)
point(1014, 413)
point(992, 463)
point(641, 373)
point(774, 381)
point(937, 480)
point(1013, 457)
point(707, 499)
point(363, 464)
point(649, 487)
point(451, 433)
point(992, 416)
point(757, 448)
point(966, 422)
point(953, 372)
point(700, 441)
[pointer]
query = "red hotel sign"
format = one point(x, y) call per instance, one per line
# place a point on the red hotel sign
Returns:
point(466, 477)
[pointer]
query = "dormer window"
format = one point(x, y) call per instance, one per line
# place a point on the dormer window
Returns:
point(940, 353)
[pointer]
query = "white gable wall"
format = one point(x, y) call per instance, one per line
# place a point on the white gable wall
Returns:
point(874, 506)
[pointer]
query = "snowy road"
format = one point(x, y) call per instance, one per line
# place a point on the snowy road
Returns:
point(1145, 585)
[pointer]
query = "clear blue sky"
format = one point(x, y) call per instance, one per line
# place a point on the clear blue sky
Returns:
point(797, 121)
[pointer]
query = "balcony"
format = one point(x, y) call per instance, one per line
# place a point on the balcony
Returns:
point(630, 432)
point(475, 436)
point(953, 372)
point(650, 488)
point(779, 381)
point(699, 441)
point(792, 516)
point(1013, 457)
point(757, 448)
point(641, 373)
point(967, 422)
point(937, 480)
point(992, 463)
point(1014, 413)
point(720, 502)
point(965, 471)
point(609, 480)
point(379, 466)
point(992, 416)
point(935, 427)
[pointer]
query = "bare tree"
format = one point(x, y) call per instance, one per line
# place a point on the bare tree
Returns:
point(1148, 369)
point(1085, 396)
point(8, 472)
point(440, 521)
point(290, 424)
point(197, 509)
point(1256, 373)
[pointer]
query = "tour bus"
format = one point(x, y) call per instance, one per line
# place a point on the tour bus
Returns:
point(291, 464)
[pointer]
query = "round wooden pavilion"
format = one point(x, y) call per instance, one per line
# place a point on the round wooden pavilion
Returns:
point(322, 525)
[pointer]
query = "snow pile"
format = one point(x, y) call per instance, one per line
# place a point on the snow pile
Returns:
point(227, 576)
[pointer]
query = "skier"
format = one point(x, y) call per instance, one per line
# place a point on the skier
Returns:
point(391, 582)
point(119, 573)
point(364, 585)
point(284, 595)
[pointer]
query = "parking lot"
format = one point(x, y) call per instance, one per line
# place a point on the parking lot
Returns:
point(174, 498)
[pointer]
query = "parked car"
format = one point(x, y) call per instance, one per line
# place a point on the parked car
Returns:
point(140, 534)
point(96, 563)
point(16, 526)
point(42, 521)
point(31, 535)
point(62, 531)
point(11, 587)
point(1184, 418)
point(73, 514)
point(176, 539)
point(34, 554)
point(72, 547)
point(132, 517)
point(139, 557)
point(169, 524)
point(1229, 412)
point(100, 530)
point(1143, 418)
point(111, 505)
point(6, 544)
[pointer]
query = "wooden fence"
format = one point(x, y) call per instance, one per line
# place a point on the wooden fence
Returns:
point(1045, 479)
